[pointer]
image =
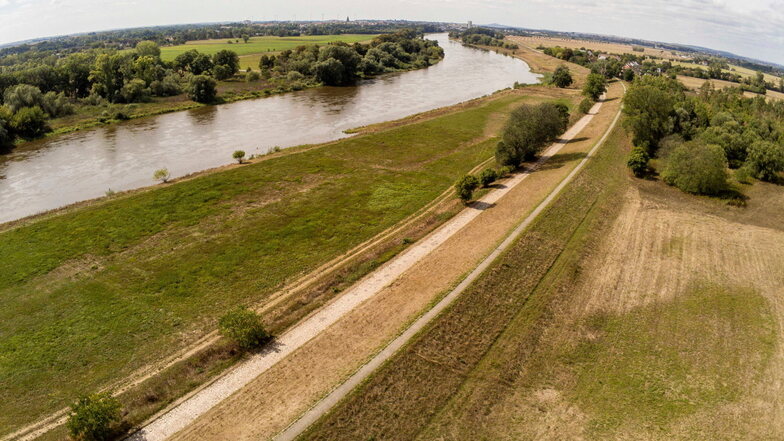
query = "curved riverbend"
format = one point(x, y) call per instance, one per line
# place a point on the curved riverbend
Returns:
point(51, 173)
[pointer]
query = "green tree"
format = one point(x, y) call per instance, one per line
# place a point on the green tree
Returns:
point(221, 72)
point(135, 91)
point(530, 129)
point(29, 122)
point(227, 58)
point(585, 105)
point(22, 95)
point(162, 174)
point(93, 417)
point(7, 135)
point(202, 89)
point(562, 77)
point(148, 49)
point(766, 160)
point(245, 38)
point(638, 161)
point(628, 75)
point(243, 327)
point(238, 155)
point(595, 86)
point(648, 110)
point(465, 187)
point(696, 167)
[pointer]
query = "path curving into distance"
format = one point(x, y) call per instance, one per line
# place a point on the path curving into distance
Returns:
point(191, 407)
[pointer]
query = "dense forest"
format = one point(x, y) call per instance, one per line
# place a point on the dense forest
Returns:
point(36, 86)
point(696, 137)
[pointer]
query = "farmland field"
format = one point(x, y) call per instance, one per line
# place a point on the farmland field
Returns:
point(259, 45)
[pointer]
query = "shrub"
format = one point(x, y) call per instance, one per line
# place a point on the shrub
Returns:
point(744, 175)
point(505, 171)
point(201, 89)
point(487, 177)
point(252, 76)
point(93, 417)
point(765, 160)
point(585, 105)
point(465, 187)
point(638, 161)
point(29, 122)
point(22, 95)
point(697, 168)
point(6, 131)
point(162, 175)
point(239, 155)
point(135, 91)
point(243, 327)
point(561, 77)
point(222, 72)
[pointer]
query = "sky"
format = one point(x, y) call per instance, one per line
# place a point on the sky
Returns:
point(754, 28)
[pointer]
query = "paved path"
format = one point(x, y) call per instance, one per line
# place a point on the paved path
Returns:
point(323, 406)
point(199, 403)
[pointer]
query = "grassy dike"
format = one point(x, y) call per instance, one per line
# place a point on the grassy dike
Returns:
point(400, 400)
point(94, 293)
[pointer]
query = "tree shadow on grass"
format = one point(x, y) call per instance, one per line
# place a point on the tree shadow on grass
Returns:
point(479, 205)
point(573, 140)
point(559, 160)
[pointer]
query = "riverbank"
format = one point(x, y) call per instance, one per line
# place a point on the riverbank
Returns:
point(352, 190)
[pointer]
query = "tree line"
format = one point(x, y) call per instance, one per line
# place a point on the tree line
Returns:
point(483, 37)
point(697, 138)
point(341, 63)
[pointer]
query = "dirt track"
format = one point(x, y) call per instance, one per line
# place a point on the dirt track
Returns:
point(277, 396)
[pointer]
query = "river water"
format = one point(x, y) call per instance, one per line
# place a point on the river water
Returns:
point(51, 173)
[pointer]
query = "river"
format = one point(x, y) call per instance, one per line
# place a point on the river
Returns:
point(58, 171)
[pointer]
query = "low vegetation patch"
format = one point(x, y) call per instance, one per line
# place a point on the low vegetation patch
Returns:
point(648, 367)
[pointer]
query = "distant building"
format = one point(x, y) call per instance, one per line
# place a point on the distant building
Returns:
point(470, 24)
point(347, 20)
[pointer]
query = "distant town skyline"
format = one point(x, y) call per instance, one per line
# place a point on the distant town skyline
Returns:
point(751, 28)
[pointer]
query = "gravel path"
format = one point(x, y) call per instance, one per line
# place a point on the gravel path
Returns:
point(323, 406)
point(191, 407)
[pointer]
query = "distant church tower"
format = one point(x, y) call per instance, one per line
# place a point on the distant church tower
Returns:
point(347, 20)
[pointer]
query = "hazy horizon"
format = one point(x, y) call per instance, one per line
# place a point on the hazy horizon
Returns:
point(750, 28)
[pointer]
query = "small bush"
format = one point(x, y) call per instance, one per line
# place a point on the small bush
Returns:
point(202, 89)
point(29, 122)
point(487, 177)
point(697, 168)
point(465, 187)
point(243, 327)
point(638, 161)
point(505, 171)
point(93, 417)
point(239, 155)
point(252, 76)
point(744, 175)
point(585, 105)
point(162, 175)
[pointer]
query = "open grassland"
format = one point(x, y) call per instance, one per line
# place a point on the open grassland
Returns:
point(419, 381)
point(695, 83)
point(259, 45)
point(93, 294)
point(742, 71)
point(628, 311)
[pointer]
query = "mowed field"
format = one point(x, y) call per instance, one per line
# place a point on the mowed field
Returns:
point(251, 52)
point(93, 294)
point(629, 310)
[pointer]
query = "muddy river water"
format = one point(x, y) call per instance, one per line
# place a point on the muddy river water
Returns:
point(54, 172)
